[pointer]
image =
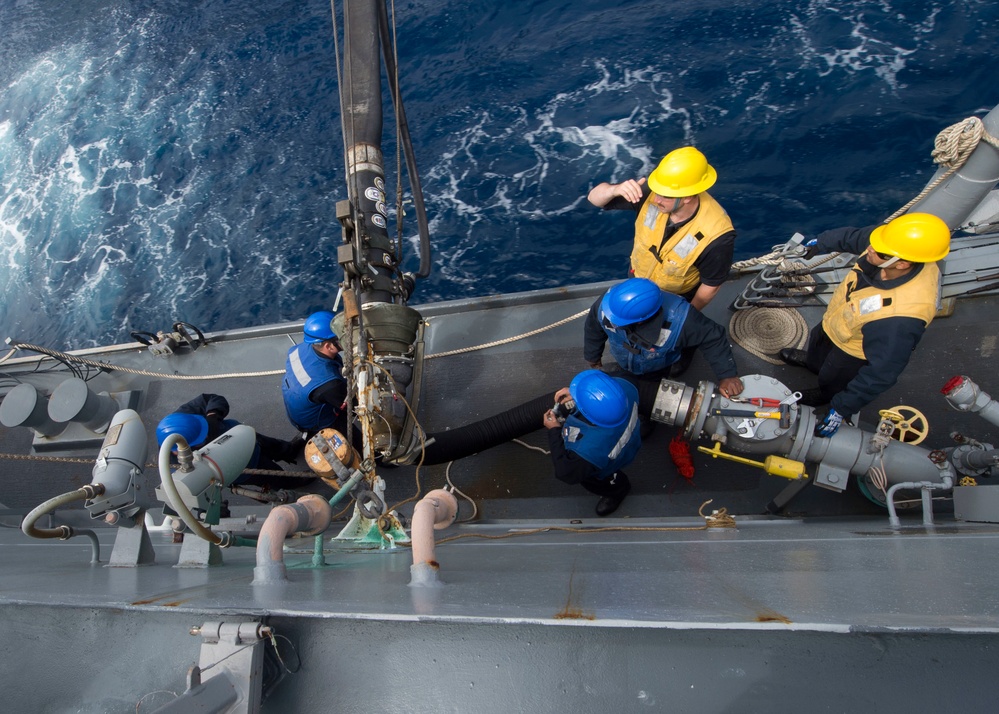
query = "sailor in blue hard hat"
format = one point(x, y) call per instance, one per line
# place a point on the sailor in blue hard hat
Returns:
point(314, 387)
point(647, 329)
point(593, 433)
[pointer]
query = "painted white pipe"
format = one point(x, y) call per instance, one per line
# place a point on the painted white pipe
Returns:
point(946, 483)
point(436, 511)
point(309, 515)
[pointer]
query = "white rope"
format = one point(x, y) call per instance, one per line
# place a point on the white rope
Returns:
point(508, 340)
point(764, 331)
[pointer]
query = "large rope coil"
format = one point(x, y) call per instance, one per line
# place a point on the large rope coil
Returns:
point(764, 331)
point(951, 150)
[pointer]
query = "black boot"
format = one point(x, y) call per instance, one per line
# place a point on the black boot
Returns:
point(608, 504)
point(793, 357)
point(292, 450)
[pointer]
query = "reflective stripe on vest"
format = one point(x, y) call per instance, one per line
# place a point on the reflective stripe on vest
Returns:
point(305, 371)
point(608, 449)
point(852, 308)
point(642, 360)
point(672, 266)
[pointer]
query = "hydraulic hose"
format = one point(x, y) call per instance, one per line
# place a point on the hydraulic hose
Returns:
point(406, 143)
point(487, 433)
point(223, 540)
point(64, 532)
point(647, 391)
point(478, 436)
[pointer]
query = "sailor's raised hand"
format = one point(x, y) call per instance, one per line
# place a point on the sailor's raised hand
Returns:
point(631, 190)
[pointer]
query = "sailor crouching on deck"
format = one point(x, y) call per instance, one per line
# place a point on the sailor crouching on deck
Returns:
point(877, 315)
point(314, 388)
point(648, 329)
point(593, 433)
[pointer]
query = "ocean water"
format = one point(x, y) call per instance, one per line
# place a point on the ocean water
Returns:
point(178, 160)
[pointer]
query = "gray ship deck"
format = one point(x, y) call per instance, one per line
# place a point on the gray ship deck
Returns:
point(774, 615)
point(826, 608)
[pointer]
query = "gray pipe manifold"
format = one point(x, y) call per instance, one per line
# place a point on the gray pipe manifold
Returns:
point(786, 436)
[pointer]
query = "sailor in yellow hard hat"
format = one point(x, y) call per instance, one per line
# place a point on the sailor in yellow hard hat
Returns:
point(877, 315)
point(684, 240)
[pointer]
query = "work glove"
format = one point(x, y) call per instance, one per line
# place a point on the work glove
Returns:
point(811, 249)
point(829, 423)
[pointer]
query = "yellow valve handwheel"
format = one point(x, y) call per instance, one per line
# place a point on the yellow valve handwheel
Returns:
point(911, 426)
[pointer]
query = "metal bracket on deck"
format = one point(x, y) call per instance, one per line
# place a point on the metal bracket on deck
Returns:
point(237, 650)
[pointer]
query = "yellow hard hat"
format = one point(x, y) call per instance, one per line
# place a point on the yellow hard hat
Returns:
point(916, 237)
point(683, 172)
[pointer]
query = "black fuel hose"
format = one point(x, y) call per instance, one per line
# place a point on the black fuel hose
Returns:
point(516, 422)
point(487, 433)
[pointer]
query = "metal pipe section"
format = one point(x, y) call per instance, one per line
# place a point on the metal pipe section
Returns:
point(173, 497)
point(926, 488)
point(957, 197)
point(342, 493)
point(368, 258)
point(703, 413)
point(64, 532)
point(974, 460)
point(310, 515)
point(964, 395)
point(435, 511)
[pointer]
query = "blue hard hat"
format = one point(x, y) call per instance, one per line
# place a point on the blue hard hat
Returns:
point(318, 327)
point(599, 397)
point(193, 427)
point(634, 300)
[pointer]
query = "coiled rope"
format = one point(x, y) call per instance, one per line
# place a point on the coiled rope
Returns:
point(764, 331)
point(951, 149)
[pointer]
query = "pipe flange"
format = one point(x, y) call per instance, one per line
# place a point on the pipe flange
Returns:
point(672, 402)
point(697, 412)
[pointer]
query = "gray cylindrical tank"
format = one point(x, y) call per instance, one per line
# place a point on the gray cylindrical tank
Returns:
point(73, 401)
point(24, 406)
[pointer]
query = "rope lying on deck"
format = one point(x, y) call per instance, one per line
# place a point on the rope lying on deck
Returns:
point(764, 331)
point(719, 518)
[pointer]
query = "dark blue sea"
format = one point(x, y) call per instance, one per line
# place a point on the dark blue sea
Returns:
point(165, 160)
